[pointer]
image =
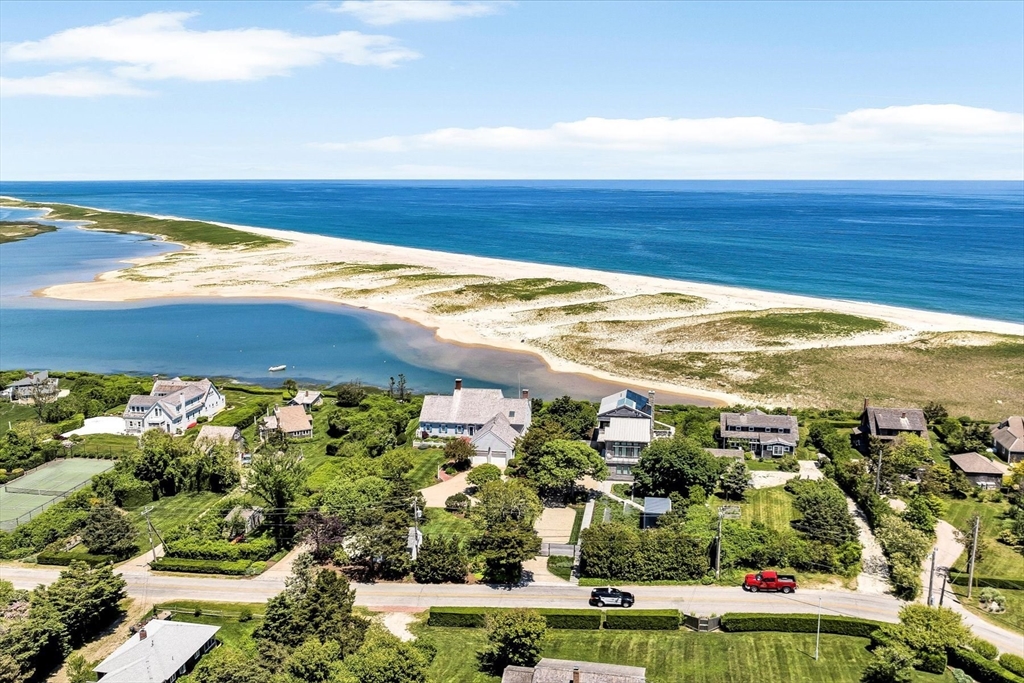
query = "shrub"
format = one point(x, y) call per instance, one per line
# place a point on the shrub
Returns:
point(1010, 661)
point(479, 476)
point(931, 662)
point(175, 564)
point(456, 503)
point(590, 619)
point(789, 464)
point(474, 617)
point(64, 559)
point(960, 677)
point(457, 617)
point(643, 620)
point(245, 614)
point(984, 648)
point(200, 549)
point(799, 623)
point(72, 423)
point(981, 669)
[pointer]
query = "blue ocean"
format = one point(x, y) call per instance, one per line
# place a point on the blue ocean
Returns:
point(950, 247)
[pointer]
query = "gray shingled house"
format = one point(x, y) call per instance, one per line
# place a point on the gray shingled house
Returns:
point(490, 422)
point(565, 671)
point(1008, 439)
point(172, 406)
point(625, 426)
point(763, 435)
point(885, 424)
point(979, 469)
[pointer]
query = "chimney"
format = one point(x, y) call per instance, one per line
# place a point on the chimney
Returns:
point(866, 403)
point(903, 415)
point(526, 393)
point(575, 674)
point(142, 634)
point(458, 384)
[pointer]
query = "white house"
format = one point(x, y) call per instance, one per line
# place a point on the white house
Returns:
point(161, 652)
point(491, 422)
point(307, 399)
point(625, 426)
point(172, 406)
point(32, 385)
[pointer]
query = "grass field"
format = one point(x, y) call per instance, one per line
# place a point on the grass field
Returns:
point(522, 290)
point(424, 469)
point(773, 507)
point(11, 413)
point(999, 559)
point(673, 656)
point(440, 522)
point(106, 444)
point(183, 231)
point(173, 511)
point(15, 231)
point(1012, 618)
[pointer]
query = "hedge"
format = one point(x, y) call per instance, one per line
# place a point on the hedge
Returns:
point(643, 620)
point(474, 617)
point(1012, 662)
point(200, 549)
point(174, 564)
point(70, 424)
point(798, 623)
point(988, 582)
point(64, 559)
point(931, 662)
point(981, 669)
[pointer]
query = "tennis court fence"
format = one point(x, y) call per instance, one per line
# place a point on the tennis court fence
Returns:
point(12, 524)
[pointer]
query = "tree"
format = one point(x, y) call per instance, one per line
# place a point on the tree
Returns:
point(901, 458)
point(108, 531)
point(382, 549)
point(920, 514)
point(441, 560)
point(529, 446)
point(562, 463)
point(78, 669)
point(676, 464)
point(504, 501)
point(927, 630)
point(276, 478)
point(934, 411)
point(350, 394)
point(890, 664)
point(383, 658)
point(87, 599)
point(736, 481)
point(229, 665)
point(315, 661)
point(290, 386)
point(457, 502)
point(513, 638)
point(459, 453)
point(504, 546)
point(478, 476)
point(577, 418)
point(325, 533)
point(401, 386)
point(825, 516)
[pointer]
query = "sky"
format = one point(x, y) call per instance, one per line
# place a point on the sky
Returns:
point(472, 90)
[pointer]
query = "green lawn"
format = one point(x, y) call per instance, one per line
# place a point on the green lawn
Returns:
point(424, 469)
point(672, 656)
point(232, 631)
point(224, 609)
point(173, 511)
point(1012, 618)
point(11, 413)
point(629, 515)
point(999, 560)
point(773, 507)
point(105, 445)
point(560, 566)
point(440, 522)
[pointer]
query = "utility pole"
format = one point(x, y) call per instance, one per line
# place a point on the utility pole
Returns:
point(817, 639)
point(718, 545)
point(150, 530)
point(974, 550)
point(931, 578)
point(416, 533)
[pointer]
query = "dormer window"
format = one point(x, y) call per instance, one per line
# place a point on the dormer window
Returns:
point(511, 413)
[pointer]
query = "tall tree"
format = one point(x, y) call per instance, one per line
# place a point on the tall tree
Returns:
point(383, 658)
point(459, 453)
point(513, 638)
point(668, 465)
point(563, 463)
point(290, 386)
point(277, 479)
point(529, 446)
point(736, 481)
point(577, 418)
point(441, 559)
point(108, 531)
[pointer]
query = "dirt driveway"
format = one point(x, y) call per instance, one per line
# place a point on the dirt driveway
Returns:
point(555, 524)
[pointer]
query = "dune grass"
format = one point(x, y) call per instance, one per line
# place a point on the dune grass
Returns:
point(483, 294)
point(15, 231)
point(173, 229)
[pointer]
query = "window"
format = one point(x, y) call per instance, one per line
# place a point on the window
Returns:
point(511, 413)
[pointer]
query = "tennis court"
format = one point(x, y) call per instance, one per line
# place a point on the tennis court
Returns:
point(29, 495)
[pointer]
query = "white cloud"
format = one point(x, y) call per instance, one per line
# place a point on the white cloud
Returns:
point(77, 83)
point(919, 141)
point(387, 12)
point(158, 46)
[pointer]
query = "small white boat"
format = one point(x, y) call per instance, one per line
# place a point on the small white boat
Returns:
point(277, 368)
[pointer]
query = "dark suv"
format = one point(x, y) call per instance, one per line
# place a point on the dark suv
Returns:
point(610, 596)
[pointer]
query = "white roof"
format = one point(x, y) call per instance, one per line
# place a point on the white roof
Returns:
point(636, 430)
point(305, 397)
point(474, 406)
point(167, 647)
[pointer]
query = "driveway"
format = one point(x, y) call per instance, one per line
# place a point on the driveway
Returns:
point(438, 493)
point(100, 425)
point(555, 524)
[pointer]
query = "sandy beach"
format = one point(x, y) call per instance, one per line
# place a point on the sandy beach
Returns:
point(578, 320)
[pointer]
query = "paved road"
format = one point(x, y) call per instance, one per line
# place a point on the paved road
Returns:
point(704, 600)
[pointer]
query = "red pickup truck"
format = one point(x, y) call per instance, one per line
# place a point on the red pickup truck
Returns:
point(769, 581)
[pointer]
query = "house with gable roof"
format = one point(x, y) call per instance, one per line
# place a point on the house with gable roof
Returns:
point(172, 406)
point(161, 652)
point(490, 422)
point(762, 434)
point(1008, 439)
point(625, 426)
point(885, 424)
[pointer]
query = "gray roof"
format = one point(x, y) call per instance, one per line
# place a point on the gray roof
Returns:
point(171, 394)
point(245, 513)
point(729, 452)
point(757, 418)
point(30, 379)
point(474, 407)
point(214, 434)
point(898, 419)
point(517, 674)
point(972, 463)
point(1010, 433)
point(657, 506)
point(167, 647)
point(628, 429)
point(561, 671)
point(500, 427)
point(627, 398)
